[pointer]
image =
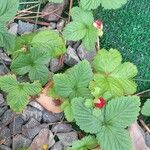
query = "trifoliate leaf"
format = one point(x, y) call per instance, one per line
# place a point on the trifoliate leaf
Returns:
point(90, 38)
point(84, 117)
point(112, 75)
point(80, 15)
point(122, 111)
point(74, 82)
point(88, 142)
point(109, 126)
point(146, 108)
point(7, 40)
point(112, 138)
point(107, 4)
point(18, 93)
point(49, 41)
point(8, 10)
point(32, 62)
point(74, 31)
point(67, 108)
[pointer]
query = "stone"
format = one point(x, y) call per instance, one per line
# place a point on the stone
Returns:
point(147, 139)
point(36, 105)
point(19, 141)
point(57, 8)
point(71, 57)
point(76, 45)
point(67, 138)
point(24, 27)
point(5, 58)
point(2, 110)
point(31, 128)
point(58, 146)
point(60, 24)
point(69, 43)
point(7, 117)
point(45, 137)
point(49, 117)
point(32, 112)
point(84, 54)
point(13, 28)
point(52, 25)
point(5, 136)
point(55, 65)
point(16, 125)
point(3, 70)
point(4, 147)
point(61, 127)
point(1, 99)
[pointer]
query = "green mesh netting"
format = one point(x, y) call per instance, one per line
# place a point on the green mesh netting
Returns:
point(128, 29)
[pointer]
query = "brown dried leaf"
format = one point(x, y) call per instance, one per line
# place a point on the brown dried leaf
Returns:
point(48, 102)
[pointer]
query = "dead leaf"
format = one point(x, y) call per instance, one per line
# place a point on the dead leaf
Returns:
point(48, 102)
point(137, 136)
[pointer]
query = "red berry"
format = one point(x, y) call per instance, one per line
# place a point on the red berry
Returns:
point(98, 24)
point(100, 102)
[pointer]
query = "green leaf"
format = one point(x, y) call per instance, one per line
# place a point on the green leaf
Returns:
point(33, 63)
point(89, 4)
point(80, 15)
point(18, 93)
point(114, 77)
point(8, 10)
point(7, 40)
point(112, 138)
point(88, 142)
point(106, 61)
point(122, 111)
point(67, 108)
point(110, 123)
point(74, 31)
point(8, 83)
point(146, 108)
point(107, 4)
point(74, 82)
point(49, 41)
point(90, 38)
point(113, 4)
point(84, 117)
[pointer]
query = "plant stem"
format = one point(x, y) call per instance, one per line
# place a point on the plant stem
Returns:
point(70, 6)
point(145, 126)
point(25, 3)
point(37, 17)
point(143, 92)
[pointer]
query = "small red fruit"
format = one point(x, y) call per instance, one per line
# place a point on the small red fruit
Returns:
point(98, 24)
point(100, 102)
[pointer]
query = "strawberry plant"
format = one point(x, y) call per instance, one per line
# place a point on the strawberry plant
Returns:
point(81, 28)
point(98, 97)
point(18, 94)
point(110, 122)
